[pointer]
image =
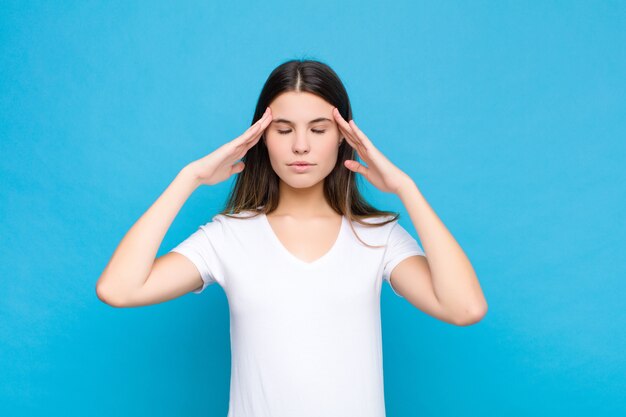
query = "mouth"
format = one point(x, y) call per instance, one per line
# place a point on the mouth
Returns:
point(301, 167)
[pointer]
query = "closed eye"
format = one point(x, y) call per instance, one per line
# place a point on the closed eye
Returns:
point(284, 132)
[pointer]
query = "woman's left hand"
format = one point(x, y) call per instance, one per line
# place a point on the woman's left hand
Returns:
point(379, 171)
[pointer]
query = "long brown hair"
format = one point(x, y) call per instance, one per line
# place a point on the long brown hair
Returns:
point(256, 188)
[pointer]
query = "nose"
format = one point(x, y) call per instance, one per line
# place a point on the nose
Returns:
point(301, 143)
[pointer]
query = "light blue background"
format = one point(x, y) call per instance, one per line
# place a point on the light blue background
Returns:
point(510, 117)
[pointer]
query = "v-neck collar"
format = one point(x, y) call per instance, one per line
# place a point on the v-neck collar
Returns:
point(293, 257)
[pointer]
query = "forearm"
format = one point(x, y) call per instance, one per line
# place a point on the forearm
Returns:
point(131, 263)
point(454, 280)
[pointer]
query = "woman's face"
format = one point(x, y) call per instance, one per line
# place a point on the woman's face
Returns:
point(302, 129)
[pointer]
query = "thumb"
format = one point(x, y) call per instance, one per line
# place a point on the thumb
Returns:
point(352, 165)
point(237, 168)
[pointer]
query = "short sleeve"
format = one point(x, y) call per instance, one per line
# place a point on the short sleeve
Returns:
point(400, 245)
point(202, 249)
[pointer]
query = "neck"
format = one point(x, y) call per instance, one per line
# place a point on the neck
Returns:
point(303, 202)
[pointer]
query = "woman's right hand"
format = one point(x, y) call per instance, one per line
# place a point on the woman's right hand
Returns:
point(220, 164)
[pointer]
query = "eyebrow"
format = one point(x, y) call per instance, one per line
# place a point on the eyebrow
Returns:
point(319, 119)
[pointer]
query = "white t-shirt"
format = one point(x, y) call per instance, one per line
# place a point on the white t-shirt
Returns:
point(305, 337)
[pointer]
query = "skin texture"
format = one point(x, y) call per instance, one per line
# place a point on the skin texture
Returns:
point(443, 284)
point(301, 194)
point(304, 222)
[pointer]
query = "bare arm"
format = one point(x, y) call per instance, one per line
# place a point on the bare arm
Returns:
point(131, 263)
point(444, 284)
point(132, 276)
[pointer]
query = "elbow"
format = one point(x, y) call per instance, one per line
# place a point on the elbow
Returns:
point(472, 317)
point(107, 297)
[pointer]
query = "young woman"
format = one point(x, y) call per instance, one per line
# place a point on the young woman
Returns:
point(299, 253)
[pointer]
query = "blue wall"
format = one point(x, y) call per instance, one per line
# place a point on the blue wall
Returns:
point(509, 116)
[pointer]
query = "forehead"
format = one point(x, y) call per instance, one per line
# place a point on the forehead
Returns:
point(300, 107)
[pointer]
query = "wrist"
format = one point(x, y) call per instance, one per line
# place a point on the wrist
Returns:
point(188, 175)
point(406, 184)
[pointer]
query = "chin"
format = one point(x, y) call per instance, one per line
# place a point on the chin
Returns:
point(300, 184)
point(300, 180)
